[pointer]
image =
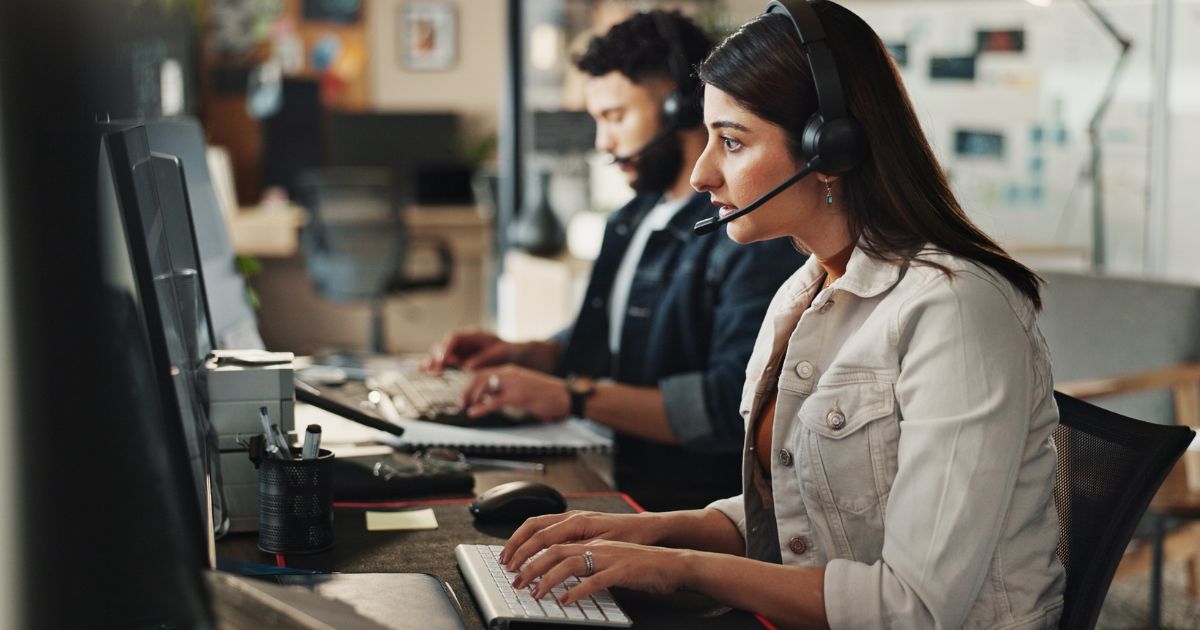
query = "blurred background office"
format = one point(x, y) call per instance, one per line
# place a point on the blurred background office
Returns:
point(390, 170)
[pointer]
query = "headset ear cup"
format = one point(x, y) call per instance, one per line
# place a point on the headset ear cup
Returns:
point(842, 145)
point(680, 111)
point(810, 138)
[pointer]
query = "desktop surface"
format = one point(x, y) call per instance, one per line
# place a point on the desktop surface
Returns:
point(357, 550)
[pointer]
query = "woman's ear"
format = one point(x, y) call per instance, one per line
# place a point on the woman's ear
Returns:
point(828, 179)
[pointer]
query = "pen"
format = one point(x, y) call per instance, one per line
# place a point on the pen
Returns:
point(274, 436)
point(281, 442)
point(270, 446)
point(312, 441)
point(506, 464)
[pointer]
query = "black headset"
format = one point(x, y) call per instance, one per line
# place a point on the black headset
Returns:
point(831, 137)
point(680, 109)
point(832, 142)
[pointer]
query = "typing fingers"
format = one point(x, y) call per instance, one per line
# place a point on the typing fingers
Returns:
point(540, 564)
point(562, 528)
point(571, 564)
point(527, 529)
point(476, 390)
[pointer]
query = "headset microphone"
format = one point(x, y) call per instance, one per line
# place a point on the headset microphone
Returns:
point(710, 225)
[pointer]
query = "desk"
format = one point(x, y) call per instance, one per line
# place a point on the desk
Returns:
point(358, 551)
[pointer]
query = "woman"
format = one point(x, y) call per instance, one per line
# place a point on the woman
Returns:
point(898, 470)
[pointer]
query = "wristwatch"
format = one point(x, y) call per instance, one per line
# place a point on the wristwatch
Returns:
point(579, 388)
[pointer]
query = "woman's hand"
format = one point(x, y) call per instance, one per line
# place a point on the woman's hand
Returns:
point(540, 532)
point(654, 570)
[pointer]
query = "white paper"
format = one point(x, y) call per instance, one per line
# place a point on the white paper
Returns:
point(401, 521)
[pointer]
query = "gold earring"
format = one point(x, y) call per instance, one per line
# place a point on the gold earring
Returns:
point(828, 193)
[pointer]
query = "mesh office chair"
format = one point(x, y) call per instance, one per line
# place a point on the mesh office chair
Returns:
point(1109, 467)
point(356, 242)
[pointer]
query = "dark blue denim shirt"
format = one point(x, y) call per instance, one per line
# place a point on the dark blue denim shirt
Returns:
point(694, 311)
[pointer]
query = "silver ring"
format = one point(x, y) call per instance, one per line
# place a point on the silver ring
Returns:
point(493, 383)
point(588, 567)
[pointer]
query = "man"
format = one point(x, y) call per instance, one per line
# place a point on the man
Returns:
point(659, 349)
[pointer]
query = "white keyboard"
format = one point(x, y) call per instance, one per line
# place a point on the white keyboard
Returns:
point(500, 603)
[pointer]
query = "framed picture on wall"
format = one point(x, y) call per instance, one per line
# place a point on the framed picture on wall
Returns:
point(428, 35)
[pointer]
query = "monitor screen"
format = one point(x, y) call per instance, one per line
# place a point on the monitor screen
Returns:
point(233, 321)
point(144, 186)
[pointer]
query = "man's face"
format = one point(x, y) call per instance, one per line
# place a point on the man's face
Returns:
point(627, 116)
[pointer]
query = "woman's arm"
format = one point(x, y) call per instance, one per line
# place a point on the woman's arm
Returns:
point(790, 597)
point(705, 530)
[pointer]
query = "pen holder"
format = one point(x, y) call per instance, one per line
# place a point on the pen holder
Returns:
point(295, 503)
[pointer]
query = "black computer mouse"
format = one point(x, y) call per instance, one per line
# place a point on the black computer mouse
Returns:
point(516, 501)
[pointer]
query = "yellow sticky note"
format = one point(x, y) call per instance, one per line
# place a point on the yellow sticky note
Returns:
point(409, 520)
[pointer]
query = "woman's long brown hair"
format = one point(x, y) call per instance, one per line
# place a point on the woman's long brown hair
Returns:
point(898, 199)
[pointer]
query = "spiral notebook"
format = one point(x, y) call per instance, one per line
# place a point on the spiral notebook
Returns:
point(573, 435)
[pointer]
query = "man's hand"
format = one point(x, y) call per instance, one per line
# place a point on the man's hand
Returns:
point(469, 350)
point(493, 389)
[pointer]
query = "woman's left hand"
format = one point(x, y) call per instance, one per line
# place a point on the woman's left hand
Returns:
point(655, 570)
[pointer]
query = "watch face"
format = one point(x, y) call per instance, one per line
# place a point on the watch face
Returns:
point(581, 386)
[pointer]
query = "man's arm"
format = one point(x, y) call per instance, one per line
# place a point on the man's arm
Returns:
point(702, 407)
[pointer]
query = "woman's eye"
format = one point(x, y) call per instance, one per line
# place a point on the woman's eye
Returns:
point(730, 143)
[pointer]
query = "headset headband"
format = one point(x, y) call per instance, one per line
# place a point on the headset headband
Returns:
point(676, 57)
point(830, 99)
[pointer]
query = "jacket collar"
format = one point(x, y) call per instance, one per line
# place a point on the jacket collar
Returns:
point(696, 208)
point(865, 277)
point(680, 226)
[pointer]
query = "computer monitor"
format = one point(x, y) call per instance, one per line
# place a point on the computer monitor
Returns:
point(233, 322)
point(148, 189)
point(153, 513)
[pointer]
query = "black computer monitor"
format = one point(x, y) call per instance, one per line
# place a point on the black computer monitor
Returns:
point(153, 513)
point(233, 322)
point(148, 188)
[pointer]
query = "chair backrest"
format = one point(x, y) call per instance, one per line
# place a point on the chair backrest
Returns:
point(354, 242)
point(1109, 467)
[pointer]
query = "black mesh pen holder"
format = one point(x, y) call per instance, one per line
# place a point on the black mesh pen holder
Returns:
point(295, 503)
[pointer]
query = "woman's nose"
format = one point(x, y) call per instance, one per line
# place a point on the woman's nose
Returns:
point(705, 176)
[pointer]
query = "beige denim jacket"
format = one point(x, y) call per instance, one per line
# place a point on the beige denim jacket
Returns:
point(911, 445)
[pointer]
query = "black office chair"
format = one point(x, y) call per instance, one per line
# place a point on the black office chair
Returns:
point(356, 242)
point(1109, 467)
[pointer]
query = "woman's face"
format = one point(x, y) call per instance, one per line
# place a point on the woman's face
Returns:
point(746, 157)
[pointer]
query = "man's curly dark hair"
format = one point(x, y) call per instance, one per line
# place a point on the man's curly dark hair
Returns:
point(638, 49)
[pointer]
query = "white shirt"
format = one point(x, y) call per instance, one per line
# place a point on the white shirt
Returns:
point(911, 452)
point(656, 219)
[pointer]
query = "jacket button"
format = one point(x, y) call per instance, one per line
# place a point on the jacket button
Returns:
point(597, 302)
point(798, 545)
point(785, 457)
point(804, 369)
point(825, 307)
point(835, 419)
point(622, 229)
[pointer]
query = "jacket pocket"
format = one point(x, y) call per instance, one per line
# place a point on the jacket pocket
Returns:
point(850, 433)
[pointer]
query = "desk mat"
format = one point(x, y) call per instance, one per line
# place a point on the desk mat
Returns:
point(357, 550)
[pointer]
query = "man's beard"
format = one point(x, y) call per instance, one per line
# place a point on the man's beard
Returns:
point(657, 168)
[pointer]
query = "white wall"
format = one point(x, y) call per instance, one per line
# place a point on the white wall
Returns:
point(1181, 244)
point(472, 87)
